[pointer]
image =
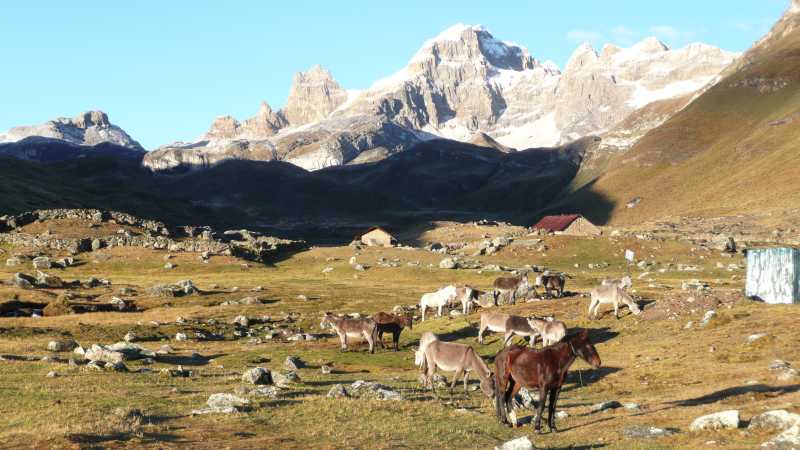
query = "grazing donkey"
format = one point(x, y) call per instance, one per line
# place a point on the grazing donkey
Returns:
point(546, 369)
point(552, 283)
point(391, 323)
point(551, 330)
point(438, 299)
point(346, 327)
point(509, 286)
point(625, 282)
point(466, 296)
point(613, 294)
point(508, 325)
point(449, 356)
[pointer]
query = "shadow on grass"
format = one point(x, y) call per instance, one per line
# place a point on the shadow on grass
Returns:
point(179, 360)
point(89, 438)
point(770, 391)
point(461, 333)
point(583, 378)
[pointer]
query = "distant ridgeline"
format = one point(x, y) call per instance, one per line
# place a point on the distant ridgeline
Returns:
point(150, 234)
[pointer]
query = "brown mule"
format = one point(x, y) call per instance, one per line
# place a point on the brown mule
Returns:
point(391, 323)
point(544, 369)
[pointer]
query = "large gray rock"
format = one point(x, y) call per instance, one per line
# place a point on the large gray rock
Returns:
point(372, 390)
point(778, 419)
point(716, 421)
point(789, 439)
point(47, 280)
point(223, 403)
point(257, 375)
point(293, 363)
point(63, 345)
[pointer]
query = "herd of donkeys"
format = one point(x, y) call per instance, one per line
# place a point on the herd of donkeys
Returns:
point(543, 370)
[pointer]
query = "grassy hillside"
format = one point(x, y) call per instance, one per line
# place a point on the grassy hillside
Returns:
point(733, 150)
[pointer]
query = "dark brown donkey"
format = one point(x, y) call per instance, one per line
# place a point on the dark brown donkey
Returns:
point(544, 369)
point(391, 323)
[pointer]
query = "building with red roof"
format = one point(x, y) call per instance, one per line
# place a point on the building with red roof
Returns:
point(569, 224)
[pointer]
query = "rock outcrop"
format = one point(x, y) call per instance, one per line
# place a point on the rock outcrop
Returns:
point(314, 96)
point(87, 128)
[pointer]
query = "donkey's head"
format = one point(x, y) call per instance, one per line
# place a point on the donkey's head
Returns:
point(326, 320)
point(407, 321)
point(583, 347)
point(488, 385)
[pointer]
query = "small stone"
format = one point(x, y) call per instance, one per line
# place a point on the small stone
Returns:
point(302, 297)
point(327, 270)
point(755, 337)
point(181, 337)
point(645, 432)
point(169, 266)
point(285, 379)
point(326, 370)
point(62, 345)
point(242, 321)
point(129, 337)
point(52, 374)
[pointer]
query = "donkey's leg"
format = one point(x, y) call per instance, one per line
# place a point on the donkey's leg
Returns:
point(369, 338)
point(616, 310)
point(343, 341)
point(396, 339)
point(480, 333)
point(540, 407)
point(551, 410)
point(423, 307)
point(439, 312)
point(466, 380)
point(431, 371)
point(510, 394)
point(593, 305)
point(553, 402)
point(456, 377)
point(507, 339)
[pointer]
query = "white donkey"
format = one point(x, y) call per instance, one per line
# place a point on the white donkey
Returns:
point(614, 295)
point(438, 299)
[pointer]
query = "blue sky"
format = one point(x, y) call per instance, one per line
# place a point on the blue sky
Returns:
point(163, 70)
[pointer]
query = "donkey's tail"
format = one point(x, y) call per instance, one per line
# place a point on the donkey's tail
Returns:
point(427, 339)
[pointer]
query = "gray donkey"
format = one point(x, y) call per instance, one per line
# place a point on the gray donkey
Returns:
point(345, 327)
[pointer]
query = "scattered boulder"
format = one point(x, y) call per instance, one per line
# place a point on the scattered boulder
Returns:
point(285, 379)
point(521, 443)
point(64, 345)
point(180, 337)
point(293, 363)
point(23, 281)
point(169, 265)
point(223, 403)
point(721, 420)
point(707, 317)
point(448, 263)
point(327, 270)
point(52, 374)
point(50, 281)
point(12, 262)
point(372, 390)
point(789, 439)
point(338, 391)
point(42, 262)
point(129, 337)
point(242, 321)
point(118, 304)
point(257, 375)
point(325, 369)
point(646, 432)
point(778, 419)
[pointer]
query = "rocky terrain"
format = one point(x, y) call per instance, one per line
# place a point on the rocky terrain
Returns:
point(460, 84)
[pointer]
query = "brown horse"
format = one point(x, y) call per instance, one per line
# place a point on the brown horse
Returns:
point(391, 323)
point(544, 369)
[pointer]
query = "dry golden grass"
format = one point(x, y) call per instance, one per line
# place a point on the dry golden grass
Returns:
point(651, 361)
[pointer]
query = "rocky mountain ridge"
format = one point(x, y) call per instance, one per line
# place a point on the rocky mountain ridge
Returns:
point(460, 83)
point(87, 128)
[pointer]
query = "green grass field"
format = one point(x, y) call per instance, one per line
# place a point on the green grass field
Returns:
point(650, 359)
